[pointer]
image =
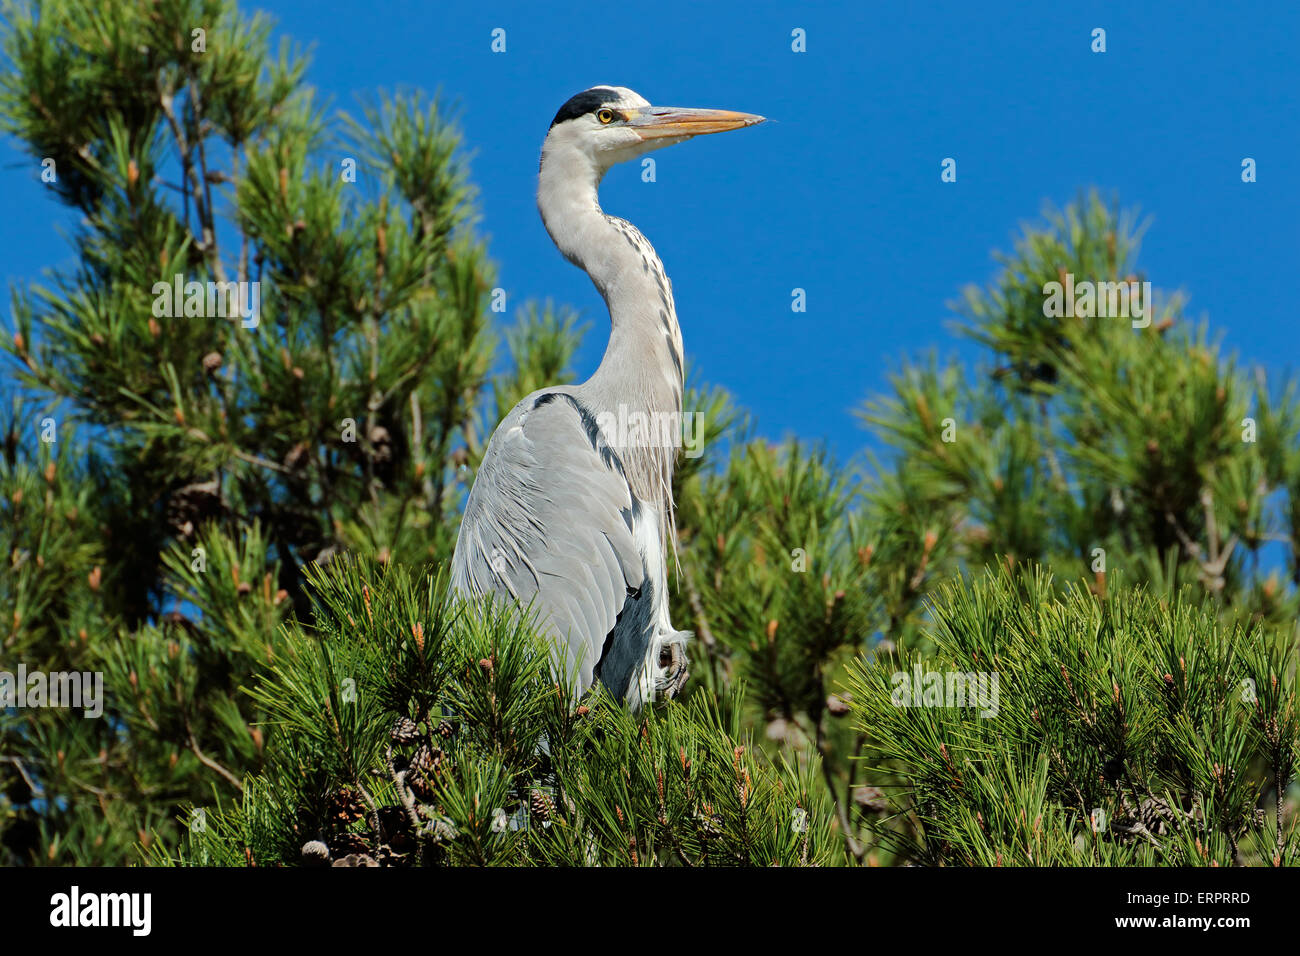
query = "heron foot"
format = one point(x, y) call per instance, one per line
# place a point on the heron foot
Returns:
point(673, 666)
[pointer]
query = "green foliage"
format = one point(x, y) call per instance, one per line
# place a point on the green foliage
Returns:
point(409, 730)
point(778, 565)
point(1083, 444)
point(1145, 443)
point(1109, 731)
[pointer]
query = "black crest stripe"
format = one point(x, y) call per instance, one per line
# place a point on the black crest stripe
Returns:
point(585, 102)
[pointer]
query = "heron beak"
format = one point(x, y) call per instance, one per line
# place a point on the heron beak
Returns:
point(652, 122)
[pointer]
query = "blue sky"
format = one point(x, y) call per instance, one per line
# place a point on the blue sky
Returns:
point(842, 195)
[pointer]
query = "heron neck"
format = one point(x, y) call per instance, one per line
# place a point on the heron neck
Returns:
point(638, 385)
point(643, 364)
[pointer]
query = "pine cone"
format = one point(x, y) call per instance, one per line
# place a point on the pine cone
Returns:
point(347, 843)
point(542, 806)
point(345, 807)
point(315, 853)
point(394, 825)
point(212, 361)
point(356, 859)
point(390, 856)
point(424, 766)
point(420, 785)
point(426, 759)
point(445, 730)
point(189, 506)
point(404, 731)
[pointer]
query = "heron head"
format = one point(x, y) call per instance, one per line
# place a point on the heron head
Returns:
point(612, 124)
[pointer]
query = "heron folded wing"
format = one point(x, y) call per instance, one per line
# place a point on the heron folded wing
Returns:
point(546, 524)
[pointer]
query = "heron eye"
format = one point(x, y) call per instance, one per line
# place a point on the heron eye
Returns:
point(605, 116)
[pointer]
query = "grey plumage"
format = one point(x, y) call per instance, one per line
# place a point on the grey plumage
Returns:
point(550, 521)
point(571, 513)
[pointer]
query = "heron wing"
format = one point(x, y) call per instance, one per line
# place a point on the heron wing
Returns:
point(549, 523)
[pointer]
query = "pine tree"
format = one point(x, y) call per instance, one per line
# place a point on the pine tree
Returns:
point(243, 524)
point(1085, 445)
point(219, 452)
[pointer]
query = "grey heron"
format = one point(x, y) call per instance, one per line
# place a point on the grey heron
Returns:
point(571, 512)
